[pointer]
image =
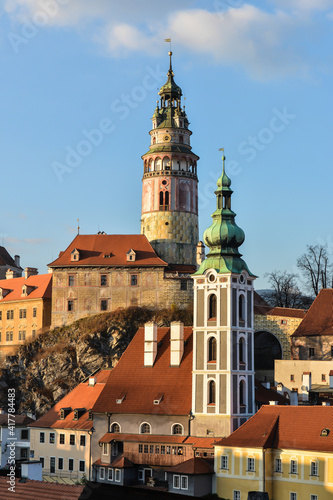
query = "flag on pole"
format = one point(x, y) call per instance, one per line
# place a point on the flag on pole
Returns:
point(167, 40)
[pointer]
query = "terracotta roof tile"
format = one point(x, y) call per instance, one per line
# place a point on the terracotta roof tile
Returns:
point(42, 284)
point(83, 396)
point(192, 466)
point(319, 319)
point(286, 312)
point(122, 462)
point(289, 427)
point(94, 247)
point(39, 490)
point(141, 384)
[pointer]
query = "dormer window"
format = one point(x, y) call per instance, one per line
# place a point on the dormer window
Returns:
point(131, 255)
point(78, 412)
point(75, 255)
point(64, 412)
point(4, 292)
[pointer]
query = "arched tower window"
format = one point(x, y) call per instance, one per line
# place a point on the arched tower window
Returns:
point(241, 308)
point(241, 352)
point(181, 139)
point(212, 349)
point(154, 139)
point(177, 429)
point(115, 427)
point(145, 428)
point(164, 200)
point(242, 400)
point(211, 392)
point(212, 306)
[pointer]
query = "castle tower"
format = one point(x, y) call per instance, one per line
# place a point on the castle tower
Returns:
point(169, 185)
point(223, 362)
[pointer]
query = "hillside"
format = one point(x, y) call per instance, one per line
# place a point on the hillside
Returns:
point(44, 370)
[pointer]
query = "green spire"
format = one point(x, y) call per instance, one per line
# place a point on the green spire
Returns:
point(224, 237)
point(170, 89)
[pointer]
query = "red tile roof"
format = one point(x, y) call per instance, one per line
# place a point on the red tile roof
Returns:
point(39, 490)
point(288, 427)
point(83, 396)
point(122, 462)
point(42, 284)
point(286, 312)
point(6, 259)
point(94, 247)
point(192, 466)
point(141, 383)
point(319, 319)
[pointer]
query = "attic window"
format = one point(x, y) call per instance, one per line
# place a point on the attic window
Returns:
point(64, 412)
point(75, 255)
point(158, 399)
point(120, 398)
point(325, 432)
point(131, 255)
point(78, 412)
point(107, 255)
point(90, 415)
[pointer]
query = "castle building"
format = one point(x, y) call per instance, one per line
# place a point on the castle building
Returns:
point(8, 263)
point(25, 308)
point(223, 364)
point(169, 185)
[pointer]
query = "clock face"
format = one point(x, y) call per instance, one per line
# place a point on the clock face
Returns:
point(167, 138)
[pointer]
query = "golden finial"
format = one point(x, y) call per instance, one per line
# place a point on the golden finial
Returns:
point(223, 157)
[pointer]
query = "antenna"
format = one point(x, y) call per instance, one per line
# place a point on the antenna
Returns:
point(78, 226)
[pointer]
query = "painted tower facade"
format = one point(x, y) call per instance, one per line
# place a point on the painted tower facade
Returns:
point(169, 186)
point(223, 361)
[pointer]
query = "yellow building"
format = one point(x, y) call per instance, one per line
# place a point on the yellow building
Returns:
point(25, 308)
point(286, 451)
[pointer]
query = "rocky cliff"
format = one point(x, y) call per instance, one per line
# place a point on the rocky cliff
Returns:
point(44, 370)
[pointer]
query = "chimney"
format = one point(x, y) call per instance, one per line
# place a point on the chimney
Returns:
point(273, 403)
point(325, 403)
point(279, 388)
point(17, 260)
point(2, 411)
point(30, 271)
point(176, 343)
point(331, 379)
point(92, 381)
point(200, 253)
point(10, 274)
point(150, 343)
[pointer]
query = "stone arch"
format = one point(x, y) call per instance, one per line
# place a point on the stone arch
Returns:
point(267, 348)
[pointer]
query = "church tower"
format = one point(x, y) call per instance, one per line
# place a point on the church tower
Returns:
point(169, 185)
point(223, 363)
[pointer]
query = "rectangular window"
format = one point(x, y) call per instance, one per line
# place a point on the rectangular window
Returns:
point(82, 440)
point(9, 336)
point(0, 315)
point(323, 377)
point(52, 438)
point(117, 476)
point(102, 473)
point(42, 459)
point(21, 335)
point(162, 449)
point(60, 463)
point(23, 313)
point(42, 437)
point(151, 448)
point(224, 462)
point(183, 285)
point(292, 378)
point(283, 321)
point(168, 450)
point(82, 466)
point(313, 497)
point(104, 280)
point(278, 465)
point(237, 495)
point(145, 448)
point(250, 465)
point(52, 465)
point(34, 312)
point(293, 467)
point(176, 482)
point(293, 496)
point(70, 305)
point(72, 439)
point(104, 305)
point(61, 438)
point(314, 469)
point(71, 280)
point(105, 448)
point(140, 448)
point(10, 314)
point(157, 449)
point(24, 434)
point(71, 464)
point(134, 279)
point(110, 474)
point(184, 482)
point(332, 350)
point(311, 352)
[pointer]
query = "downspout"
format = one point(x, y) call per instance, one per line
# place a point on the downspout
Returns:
point(264, 469)
point(192, 417)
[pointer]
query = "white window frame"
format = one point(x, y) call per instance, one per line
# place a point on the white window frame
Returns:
point(293, 495)
point(42, 459)
point(236, 495)
point(53, 459)
point(115, 423)
point(40, 435)
point(101, 474)
point(173, 426)
point(84, 466)
point(176, 479)
point(278, 464)
point(224, 465)
point(186, 482)
point(251, 464)
point(54, 437)
point(105, 448)
point(142, 424)
point(110, 473)
point(141, 475)
point(313, 497)
point(63, 461)
point(314, 468)
point(117, 475)
point(293, 466)
point(71, 470)
point(82, 436)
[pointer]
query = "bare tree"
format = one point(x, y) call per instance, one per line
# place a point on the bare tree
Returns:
point(316, 268)
point(285, 291)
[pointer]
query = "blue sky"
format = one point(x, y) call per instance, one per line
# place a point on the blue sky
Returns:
point(257, 79)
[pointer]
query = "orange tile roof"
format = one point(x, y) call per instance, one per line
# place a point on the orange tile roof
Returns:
point(141, 384)
point(42, 284)
point(83, 396)
point(39, 490)
point(94, 247)
point(319, 319)
point(192, 466)
point(122, 462)
point(288, 427)
point(286, 312)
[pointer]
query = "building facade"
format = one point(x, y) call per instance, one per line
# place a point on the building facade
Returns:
point(169, 216)
point(8, 263)
point(25, 308)
point(223, 364)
